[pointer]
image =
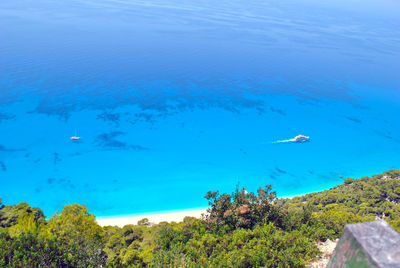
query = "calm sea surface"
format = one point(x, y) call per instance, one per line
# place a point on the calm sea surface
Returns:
point(173, 98)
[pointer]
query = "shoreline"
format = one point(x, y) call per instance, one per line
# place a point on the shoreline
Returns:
point(157, 217)
point(154, 218)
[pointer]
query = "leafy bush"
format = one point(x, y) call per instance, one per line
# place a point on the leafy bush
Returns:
point(241, 209)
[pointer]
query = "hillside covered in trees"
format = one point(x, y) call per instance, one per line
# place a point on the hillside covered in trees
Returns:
point(240, 230)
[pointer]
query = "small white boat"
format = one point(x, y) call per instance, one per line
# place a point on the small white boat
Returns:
point(75, 137)
point(300, 138)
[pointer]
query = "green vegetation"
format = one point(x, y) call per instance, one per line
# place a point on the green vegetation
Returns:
point(240, 230)
point(356, 200)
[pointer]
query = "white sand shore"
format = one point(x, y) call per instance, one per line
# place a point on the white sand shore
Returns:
point(153, 218)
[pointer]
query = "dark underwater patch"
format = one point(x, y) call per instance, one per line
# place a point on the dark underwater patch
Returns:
point(62, 108)
point(275, 110)
point(387, 137)
point(60, 181)
point(138, 148)
point(169, 96)
point(51, 180)
point(6, 117)
point(109, 141)
point(3, 166)
point(142, 117)
point(260, 110)
point(5, 149)
point(355, 120)
point(384, 134)
point(56, 158)
point(273, 175)
point(281, 171)
point(109, 117)
point(278, 172)
point(65, 184)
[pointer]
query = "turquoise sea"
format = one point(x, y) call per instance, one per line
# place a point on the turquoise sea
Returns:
point(174, 98)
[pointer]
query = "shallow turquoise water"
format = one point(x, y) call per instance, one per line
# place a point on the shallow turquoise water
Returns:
point(176, 98)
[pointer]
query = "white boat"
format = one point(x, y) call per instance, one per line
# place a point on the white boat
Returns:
point(298, 138)
point(75, 137)
point(301, 138)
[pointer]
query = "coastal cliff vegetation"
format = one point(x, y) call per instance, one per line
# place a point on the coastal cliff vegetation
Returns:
point(241, 229)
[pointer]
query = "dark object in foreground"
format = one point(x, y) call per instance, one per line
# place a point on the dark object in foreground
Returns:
point(368, 244)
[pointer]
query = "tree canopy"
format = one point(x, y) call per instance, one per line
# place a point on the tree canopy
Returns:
point(241, 229)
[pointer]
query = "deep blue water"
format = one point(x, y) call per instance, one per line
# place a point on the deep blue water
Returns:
point(176, 98)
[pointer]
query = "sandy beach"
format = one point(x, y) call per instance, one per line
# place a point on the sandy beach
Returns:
point(176, 216)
